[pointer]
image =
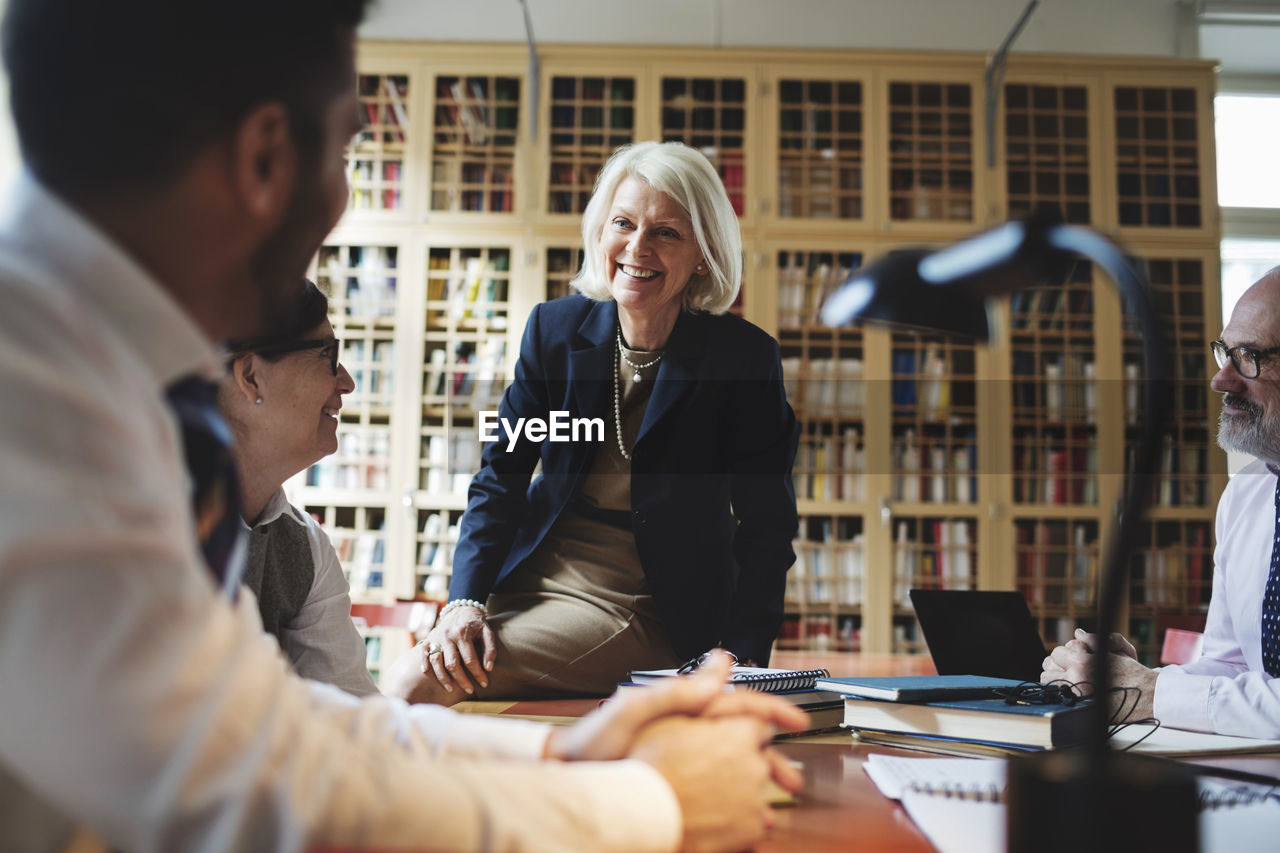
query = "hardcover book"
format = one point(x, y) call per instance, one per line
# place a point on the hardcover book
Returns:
point(991, 720)
point(917, 688)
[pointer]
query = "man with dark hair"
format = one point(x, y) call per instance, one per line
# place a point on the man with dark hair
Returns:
point(183, 163)
point(1234, 687)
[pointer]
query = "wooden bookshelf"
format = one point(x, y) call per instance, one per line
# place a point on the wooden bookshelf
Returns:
point(1047, 151)
point(376, 157)
point(475, 133)
point(709, 113)
point(822, 142)
point(923, 460)
point(590, 116)
point(931, 151)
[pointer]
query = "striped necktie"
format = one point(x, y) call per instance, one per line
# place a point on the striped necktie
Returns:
point(1271, 601)
point(215, 488)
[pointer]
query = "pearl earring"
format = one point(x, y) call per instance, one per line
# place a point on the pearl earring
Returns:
point(258, 402)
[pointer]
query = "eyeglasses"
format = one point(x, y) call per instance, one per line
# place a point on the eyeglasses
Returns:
point(691, 665)
point(329, 348)
point(1247, 362)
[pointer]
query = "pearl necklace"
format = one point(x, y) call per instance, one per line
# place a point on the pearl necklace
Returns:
point(636, 367)
point(617, 402)
point(617, 390)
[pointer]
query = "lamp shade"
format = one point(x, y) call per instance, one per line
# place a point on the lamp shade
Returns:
point(891, 291)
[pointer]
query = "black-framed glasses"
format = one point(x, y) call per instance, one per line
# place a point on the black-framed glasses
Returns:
point(1246, 360)
point(329, 349)
point(690, 665)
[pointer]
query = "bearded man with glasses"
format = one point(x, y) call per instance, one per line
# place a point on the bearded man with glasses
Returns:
point(1234, 687)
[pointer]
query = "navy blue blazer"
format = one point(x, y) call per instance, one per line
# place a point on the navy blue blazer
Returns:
point(713, 508)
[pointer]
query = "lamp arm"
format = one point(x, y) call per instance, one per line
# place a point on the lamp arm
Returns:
point(1159, 398)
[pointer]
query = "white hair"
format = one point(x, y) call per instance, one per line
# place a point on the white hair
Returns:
point(686, 176)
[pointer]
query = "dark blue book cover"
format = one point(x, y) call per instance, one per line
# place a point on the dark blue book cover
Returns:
point(917, 688)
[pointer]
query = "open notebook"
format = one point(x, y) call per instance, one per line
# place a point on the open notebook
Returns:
point(941, 794)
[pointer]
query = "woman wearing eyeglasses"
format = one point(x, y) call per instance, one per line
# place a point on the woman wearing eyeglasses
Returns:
point(282, 399)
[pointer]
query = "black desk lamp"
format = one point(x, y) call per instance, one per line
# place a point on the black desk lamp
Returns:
point(1076, 800)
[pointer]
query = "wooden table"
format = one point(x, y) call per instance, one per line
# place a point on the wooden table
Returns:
point(839, 809)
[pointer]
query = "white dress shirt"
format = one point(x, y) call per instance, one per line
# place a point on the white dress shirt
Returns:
point(320, 641)
point(136, 701)
point(1227, 690)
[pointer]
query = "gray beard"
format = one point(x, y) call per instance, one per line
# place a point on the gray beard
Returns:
point(1248, 433)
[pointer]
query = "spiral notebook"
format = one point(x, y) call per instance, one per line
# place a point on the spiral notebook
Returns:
point(751, 677)
point(942, 793)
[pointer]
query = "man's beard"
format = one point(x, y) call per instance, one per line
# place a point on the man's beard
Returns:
point(1250, 432)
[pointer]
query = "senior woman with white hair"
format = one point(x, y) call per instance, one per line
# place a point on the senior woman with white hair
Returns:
point(673, 534)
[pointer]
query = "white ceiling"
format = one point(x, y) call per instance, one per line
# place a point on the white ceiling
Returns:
point(1120, 27)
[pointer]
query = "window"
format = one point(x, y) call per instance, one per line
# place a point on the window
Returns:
point(1248, 160)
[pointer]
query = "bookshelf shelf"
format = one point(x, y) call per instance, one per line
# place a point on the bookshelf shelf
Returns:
point(921, 460)
point(475, 133)
point(931, 151)
point(709, 113)
point(376, 157)
point(821, 149)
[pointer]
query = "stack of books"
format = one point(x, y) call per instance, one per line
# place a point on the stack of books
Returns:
point(954, 714)
point(964, 715)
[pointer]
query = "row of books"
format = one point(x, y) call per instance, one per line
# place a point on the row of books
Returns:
point(933, 554)
point(479, 108)
point(366, 285)
point(908, 638)
point(1176, 576)
point(435, 555)
point(1060, 387)
point(932, 204)
point(804, 285)
point(371, 365)
point(824, 386)
point(472, 297)
point(1048, 309)
point(830, 468)
point(474, 379)
point(934, 472)
point(1184, 478)
point(382, 646)
point(821, 632)
point(922, 380)
point(827, 573)
point(1057, 631)
point(449, 462)
point(1052, 569)
point(362, 555)
point(372, 189)
point(383, 100)
point(361, 462)
point(472, 185)
point(1056, 473)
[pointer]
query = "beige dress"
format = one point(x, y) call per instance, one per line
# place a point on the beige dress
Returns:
point(577, 617)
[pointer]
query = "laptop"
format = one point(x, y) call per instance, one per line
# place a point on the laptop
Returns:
point(980, 632)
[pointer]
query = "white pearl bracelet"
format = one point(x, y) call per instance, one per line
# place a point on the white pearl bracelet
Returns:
point(463, 602)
